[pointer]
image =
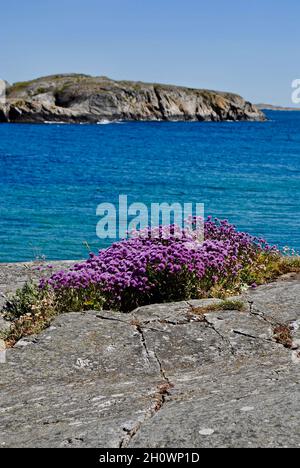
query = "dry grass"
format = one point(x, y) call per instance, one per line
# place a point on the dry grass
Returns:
point(283, 336)
point(33, 313)
point(228, 304)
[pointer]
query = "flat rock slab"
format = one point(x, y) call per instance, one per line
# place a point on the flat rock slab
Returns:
point(162, 376)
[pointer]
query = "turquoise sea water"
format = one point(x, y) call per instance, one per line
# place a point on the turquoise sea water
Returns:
point(52, 177)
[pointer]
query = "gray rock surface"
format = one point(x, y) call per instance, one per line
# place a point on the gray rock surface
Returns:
point(81, 98)
point(162, 376)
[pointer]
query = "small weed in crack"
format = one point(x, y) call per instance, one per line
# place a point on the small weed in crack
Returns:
point(283, 336)
point(227, 304)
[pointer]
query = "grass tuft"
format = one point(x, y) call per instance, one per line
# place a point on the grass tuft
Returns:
point(228, 304)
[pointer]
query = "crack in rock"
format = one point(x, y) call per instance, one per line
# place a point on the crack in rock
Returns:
point(248, 335)
point(159, 400)
point(261, 316)
point(223, 338)
point(113, 319)
point(282, 332)
point(140, 330)
point(160, 396)
point(162, 371)
point(204, 319)
point(167, 322)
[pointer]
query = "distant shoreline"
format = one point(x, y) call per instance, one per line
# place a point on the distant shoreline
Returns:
point(270, 107)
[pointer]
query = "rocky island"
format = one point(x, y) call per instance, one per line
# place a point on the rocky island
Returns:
point(76, 98)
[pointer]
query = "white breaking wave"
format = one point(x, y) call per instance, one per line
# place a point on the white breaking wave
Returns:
point(49, 122)
point(108, 122)
point(104, 122)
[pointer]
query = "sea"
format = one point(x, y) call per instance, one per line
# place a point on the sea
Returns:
point(53, 177)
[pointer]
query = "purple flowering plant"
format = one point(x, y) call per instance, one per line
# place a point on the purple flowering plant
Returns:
point(154, 265)
point(162, 266)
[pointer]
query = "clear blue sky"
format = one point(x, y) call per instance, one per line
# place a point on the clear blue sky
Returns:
point(250, 47)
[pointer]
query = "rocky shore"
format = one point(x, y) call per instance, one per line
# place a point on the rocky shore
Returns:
point(79, 98)
point(166, 375)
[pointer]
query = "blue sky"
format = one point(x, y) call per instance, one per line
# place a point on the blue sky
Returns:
point(250, 47)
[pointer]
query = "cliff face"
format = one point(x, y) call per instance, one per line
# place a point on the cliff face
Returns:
point(81, 98)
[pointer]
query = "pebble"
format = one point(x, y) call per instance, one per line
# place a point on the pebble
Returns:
point(206, 432)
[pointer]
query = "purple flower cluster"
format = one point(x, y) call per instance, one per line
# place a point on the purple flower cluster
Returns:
point(147, 268)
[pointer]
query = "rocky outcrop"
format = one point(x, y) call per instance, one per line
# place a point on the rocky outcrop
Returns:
point(168, 375)
point(86, 99)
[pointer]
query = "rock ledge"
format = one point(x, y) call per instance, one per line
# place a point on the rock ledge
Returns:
point(163, 376)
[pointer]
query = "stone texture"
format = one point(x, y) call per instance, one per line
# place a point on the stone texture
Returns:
point(162, 376)
point(81, 98)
